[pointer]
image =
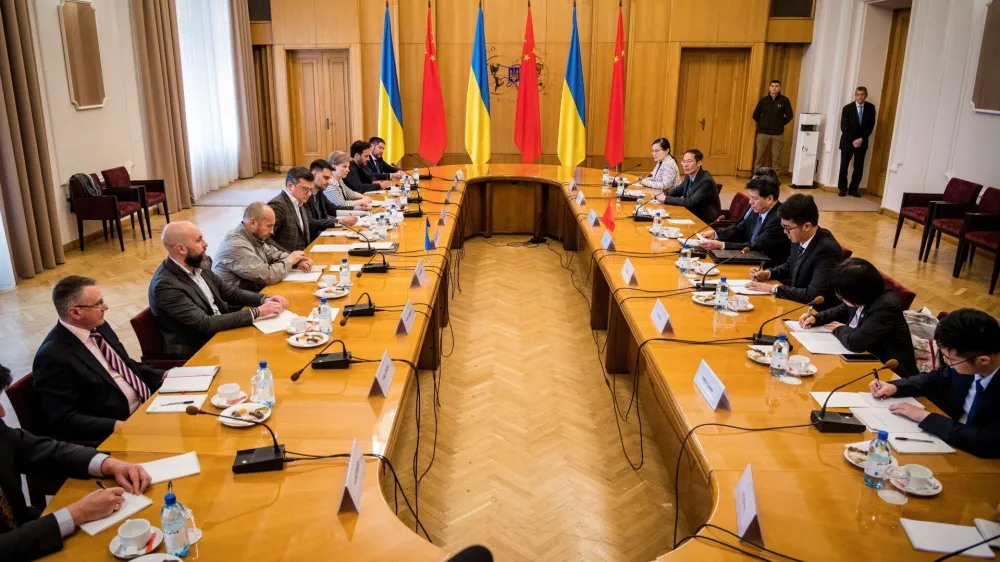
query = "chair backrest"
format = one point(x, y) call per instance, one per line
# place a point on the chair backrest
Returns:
point(845, 252)
point(962, 191)
point(22, 398)
point(117, 177)
point(905, 295)
point(738, 207)
point(990, 202)
point(83, 185)
point(150, 338)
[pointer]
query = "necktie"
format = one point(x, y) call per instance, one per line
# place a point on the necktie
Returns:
point(377, 167)
point(120, 367)
point(859, 113)
point(976, 402)
point(757, 224)
point(7, 512)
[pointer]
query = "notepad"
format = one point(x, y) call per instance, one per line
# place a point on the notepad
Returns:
point(936, 445)
point(882, 418)
point(942, 537)
point(189, 379)
point(793, 326)
point(312, 276)
point(739, 286)
point(342, 248)
point(374, 245)
point(275, 323)
point(133, 504)
point(988, 529)
point(680, 221)
point(173, 468)
point(170, 404)
point(860, 400)
point(820, 344)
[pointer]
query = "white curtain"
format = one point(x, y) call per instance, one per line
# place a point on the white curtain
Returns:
point(204, 32)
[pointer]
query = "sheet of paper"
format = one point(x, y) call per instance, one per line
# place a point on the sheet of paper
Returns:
point(739, 286)
point(193, 371)
point(275, 323)
point(988, 529)
point(860, 400)
point(821, 344)
point(680, 221)
point(133, 504)
point(793, 326)
point(341, 248)
point(297, 276)
point(936, 446)
point(172, 468)
point(882, 418)
point(170, 404)
point(356, 267)
point(189, 379)
point(375, 246)
point(872, 402)
point(334, 232)
point(943, 537)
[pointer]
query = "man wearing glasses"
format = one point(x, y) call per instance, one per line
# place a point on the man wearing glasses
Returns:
point(291, 221)
point(812, 261)
point(86, 383)
point(760, 229)
point(969, 343)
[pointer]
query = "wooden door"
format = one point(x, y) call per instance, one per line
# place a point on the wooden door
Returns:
point(711, 107)
point(890, 96)
point(319, 97)
point(338, 87)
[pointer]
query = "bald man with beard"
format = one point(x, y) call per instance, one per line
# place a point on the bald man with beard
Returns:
point(190, 304)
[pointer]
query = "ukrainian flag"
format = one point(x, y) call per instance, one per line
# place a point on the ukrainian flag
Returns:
point(572, 146)
point(477, 100)
point(390, 109)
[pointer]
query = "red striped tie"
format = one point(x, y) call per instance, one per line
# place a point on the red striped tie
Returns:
point(120, 367)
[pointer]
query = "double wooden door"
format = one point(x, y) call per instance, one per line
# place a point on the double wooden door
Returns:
point(319, 95)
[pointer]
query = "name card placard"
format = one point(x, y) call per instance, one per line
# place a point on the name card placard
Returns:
point(383, 376)
point(437, 238)
point(747, 518)
point(447, 197)
point(350, 497)
point(593, 219)
point(661, 319)
point(406, 319)
point(443, 217)
point(459, 176)
point(607, 242)
point(711, 387)
point(572, 186)
point(628, 274)
point(418, 276)
point(580, 199)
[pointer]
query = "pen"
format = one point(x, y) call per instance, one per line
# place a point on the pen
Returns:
point(178, 403)
point(101, 485)
point(914, 440)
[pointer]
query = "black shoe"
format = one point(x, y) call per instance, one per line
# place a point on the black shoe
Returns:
point(856, 194)
point(842, 194)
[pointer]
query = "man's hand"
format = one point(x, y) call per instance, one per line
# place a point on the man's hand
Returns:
point(280, 300)
point(909, 411)
point(132, 477)
point(807, 320)
point(384, 184)
point(712, 244)
point(118, 424)
point(857, 142)
point(348, 221)
point(833, 325)
point(882, 389)
point(364, 200)
point(295, 257)
point(363, 206)
point(759, 274)
point(96, 505)
point(305, 265)
point(269, 308)
point(708, 235)
point(758, 286)
point(398, 174)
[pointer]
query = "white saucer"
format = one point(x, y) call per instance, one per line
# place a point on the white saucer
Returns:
point(158, 557)
point(332, 292)
point(854, 458)
point(678, 262)
point(218, 402)
point(747, 309)
point(697, 294)
point(934, 489)
point(239, 423)
point(711, 272)
point(766, 360)
point(301, 340)
point(156, 536)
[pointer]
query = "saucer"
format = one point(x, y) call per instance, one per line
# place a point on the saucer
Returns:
point(155, 538)
point(308, 339)
point(158, 557)
point(747, 309)
point(933, 489)
point(241, 410)
point(693, 260)
point(332, 292)
point(858, 459)
point(218, 402)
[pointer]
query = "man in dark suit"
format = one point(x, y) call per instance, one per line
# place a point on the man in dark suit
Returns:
point(857, 121)
point(86, 383)
point(378, 168)
point(760, 229)
point(812, 260)
point(962, 386)
point(697, 192)
point(190, 304)
point(291, 219)
point(24, 534)
point(358, 179)
point(321, 211)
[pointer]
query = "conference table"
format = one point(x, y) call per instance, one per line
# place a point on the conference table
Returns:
point(810, 503)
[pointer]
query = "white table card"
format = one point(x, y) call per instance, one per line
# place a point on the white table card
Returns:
point(661, 319)
point(444, 216)
point(711, 387)
point(607, 242)
point(572, 186)
point(383, 376)
point(437, 238)
point(418, 276)
point(747, 518)
point(593, 219)
point(580, 199)
point(628, 274)
point(447, 197)
point(406, 319)
point(459, 176)
point(354, 482)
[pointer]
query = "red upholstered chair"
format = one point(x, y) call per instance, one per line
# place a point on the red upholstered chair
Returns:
point(845, 252)
point(151, 342)
point(981, 230)
point(915, 206)
point(944, 218)
point(152, 192)
point(737, 208)
point(905, 295)
point(22, 398)
point(107, 208)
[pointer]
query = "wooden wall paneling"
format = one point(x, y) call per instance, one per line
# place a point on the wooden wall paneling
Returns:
point(281, 104)
point(508, 210)
point(783, 62)
point(742, 21)
point(669, 100)
point(357, 91)
point(789, 30)
point(371, 58)
point(694, 21)
point(293, 21)
point(260, 33)
point(651, 21)
point(755, 74)
point(339, 22)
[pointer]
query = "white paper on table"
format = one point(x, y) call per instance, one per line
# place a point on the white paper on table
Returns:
point(133, 504)
point(275, 323)
point(872, 402)
point(860, 400)
point(296, 276)
point(916, 447)
point(680, 221)
point(375, 246)
point(172, 468)
point(334, 232)
point(943, 537)
point(821, 344)
point(356, 266)
point(343, 248)
point(793, 326)
point(739, 286)
point(988, 529)
point(189, 379)
point(882, 418)
point(159, 405)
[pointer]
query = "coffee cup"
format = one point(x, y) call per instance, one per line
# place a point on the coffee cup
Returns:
point(920, 476)
point(798, 364)
point(328, 280)
point(229, 392)
point(134, 533)
point(740, 302)
point(298, 325)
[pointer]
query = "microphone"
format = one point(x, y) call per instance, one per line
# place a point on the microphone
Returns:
point(374, 267)
point(415, 214)
point(363, 252)
point(357, 309)
point(636, 216)
point(760, 339)
point(614, 182)
point(703, 286)
point(426, 176)
point(249, 461)
point(837, 422)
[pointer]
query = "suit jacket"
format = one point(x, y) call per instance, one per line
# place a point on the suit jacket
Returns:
point(379, 169)
point(882, 331)
point(700, 196)
point(79, 399)
point(771, 239)
point(288, 236)
point(360, 180)
point(809, 274)
point(322, 214)
point(185, 317)
point(22, 452)
point(979, 435)
point(851, 128)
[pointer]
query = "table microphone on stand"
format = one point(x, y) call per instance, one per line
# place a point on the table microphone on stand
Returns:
point(364, 253)
point(358, 309)
point(838, 422)
point(248, 461)
point(702, 286)
point(760, 339)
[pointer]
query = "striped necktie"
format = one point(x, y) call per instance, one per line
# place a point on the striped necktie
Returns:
point(120, 367)
point(7, 512)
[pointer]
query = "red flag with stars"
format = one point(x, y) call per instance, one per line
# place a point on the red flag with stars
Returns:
point(608, 218)
point(614, 143)
point(528, 123)
point(433, 131)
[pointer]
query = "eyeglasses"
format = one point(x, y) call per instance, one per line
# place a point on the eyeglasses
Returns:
point(98, 304)
point(788, 229)
point(947, 362)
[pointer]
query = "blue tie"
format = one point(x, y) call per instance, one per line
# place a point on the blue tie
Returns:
point(859, 113)
point(976, 402)
point(760, 222)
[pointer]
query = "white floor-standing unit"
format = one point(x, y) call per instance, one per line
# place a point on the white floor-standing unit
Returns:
point(806, 150)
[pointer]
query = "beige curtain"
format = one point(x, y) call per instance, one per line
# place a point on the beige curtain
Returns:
point(26, 190)
point(158, 56)
point(246, 102)
point(263, 63)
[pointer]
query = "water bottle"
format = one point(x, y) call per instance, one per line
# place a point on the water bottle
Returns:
point(404, 198)
point(657, 223)
point(878, 461)
point(174, 526)
point(779, 356)
point(620, 190)
point(416, 175)
point(325, 319)
point(722, 295)
point(638, 204)
point(685, 260)
point(606, 178)
point(392, 210)
point(262, 384)
point(345, 274)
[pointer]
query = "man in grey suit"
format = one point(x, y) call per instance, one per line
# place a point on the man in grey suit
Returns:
point(291, 219)
point(246, 259)
point(190, 304)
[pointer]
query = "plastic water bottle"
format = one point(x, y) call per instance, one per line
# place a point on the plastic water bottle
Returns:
point(263, 385)
point(620, 190)
point(638, 204)
point(606, 178)
point(325, 318)
point(392, 209)
point(878, 461)
point(685, 260)
point(779, 357)
point(174, 525)
point(404, 198)
point(416, 175)
point(722, 295)
point(345, 274)
point(657, 223)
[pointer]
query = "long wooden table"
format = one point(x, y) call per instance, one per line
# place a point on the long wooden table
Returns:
point(812, 503)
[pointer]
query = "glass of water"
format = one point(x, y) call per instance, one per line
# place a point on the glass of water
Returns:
point(897, 479)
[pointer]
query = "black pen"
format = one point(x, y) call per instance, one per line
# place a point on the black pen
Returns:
point(101, 485)
point(914, 440)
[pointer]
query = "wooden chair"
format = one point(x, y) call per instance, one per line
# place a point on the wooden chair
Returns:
point(23, 399)
point(915, 206)
point(980, 230)
point(905, 295)
point(151, 342)
point(945, 218)
point(107, 208)
point(737, 208)
point(153, 192)
point(845, 252)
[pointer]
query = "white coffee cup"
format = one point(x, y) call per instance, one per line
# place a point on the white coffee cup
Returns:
point(328, 281)
point(798, 364)
point(920, 476)
point(134, 533)
point(298, 325)
point(229, 392)
point(740, 302)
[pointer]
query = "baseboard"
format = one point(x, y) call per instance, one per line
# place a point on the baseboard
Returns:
point(888, 212)
point(74, 244)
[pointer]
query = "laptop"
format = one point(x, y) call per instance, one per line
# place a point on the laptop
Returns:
point(735, 258)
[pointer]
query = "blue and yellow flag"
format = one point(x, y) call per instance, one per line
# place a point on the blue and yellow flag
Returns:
point(390, 109)
point(477, 100)
point(572, 147)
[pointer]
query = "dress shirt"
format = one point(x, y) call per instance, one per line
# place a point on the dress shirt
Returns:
point(806, 243)
point(202, 286)
point(298, 212)
point(84, 336)
point(971, 396)
point(65, 520)
point(857, 317)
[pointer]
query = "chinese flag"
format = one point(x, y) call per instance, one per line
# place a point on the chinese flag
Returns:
point(614, 143)
point(608, 218)
point(527, 124)
point(433, 132)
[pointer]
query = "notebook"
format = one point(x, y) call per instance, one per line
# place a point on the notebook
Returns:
point(274, 324)
point(988, 529)
point(173, 468)
point(171, 404)
point(133, 504)
point(189, 379)
point(942, 537)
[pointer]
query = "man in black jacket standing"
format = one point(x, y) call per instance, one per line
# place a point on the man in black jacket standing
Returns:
point(760, 229)
point(697, 192)
point(772, 113)
point(857, 121)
